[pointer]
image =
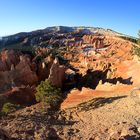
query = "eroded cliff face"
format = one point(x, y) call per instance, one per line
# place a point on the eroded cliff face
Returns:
point(7, 59)
point(44, 67)
point(101, 54)
point(105, 63)
point(21, 75)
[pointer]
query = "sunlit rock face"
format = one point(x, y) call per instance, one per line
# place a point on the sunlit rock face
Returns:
point(57, 73)
point(7, 59)
point(16, 69)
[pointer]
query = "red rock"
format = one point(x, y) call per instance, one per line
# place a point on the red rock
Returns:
point(20, 95)
point(23, 95)
point(25, 74)
point(44, 68)
point(57, 73)
point(20, 75)
point(8, 57)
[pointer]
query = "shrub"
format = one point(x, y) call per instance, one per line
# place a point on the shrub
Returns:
point(48, 93)
point(129, 38)
point(137, 51)
point(38, 59)
point(138, 42)
point(7, 108)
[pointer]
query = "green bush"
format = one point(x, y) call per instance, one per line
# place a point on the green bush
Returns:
point(137, 51)
point(138, 42)
point(7, 108)
point(129, 38)
point(48, 93)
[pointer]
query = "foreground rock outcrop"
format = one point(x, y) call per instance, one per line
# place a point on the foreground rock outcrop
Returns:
point(104, 117)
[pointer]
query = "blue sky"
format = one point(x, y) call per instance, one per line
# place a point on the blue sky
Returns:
point(27, 15)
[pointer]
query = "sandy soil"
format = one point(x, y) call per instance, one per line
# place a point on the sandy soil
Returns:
point(111, 117)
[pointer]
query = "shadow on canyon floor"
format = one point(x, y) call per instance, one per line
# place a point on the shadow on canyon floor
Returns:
point(126, 81)
point(91, 80)
point(131, 137)
point(97, 102)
